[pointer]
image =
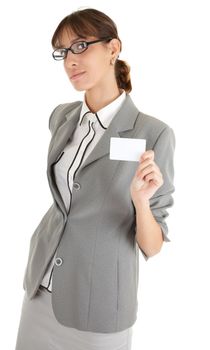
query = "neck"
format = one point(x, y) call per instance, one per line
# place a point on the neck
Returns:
point(99, 98)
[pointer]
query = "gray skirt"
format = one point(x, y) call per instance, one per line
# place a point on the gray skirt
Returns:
point(39, 330)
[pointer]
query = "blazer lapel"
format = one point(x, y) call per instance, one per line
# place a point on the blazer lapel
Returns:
point(121, 126)
point(63, 134)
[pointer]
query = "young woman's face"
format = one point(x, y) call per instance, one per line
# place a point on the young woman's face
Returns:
point(93, 64)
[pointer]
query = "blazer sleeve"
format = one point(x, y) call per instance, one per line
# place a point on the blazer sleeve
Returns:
point(162, 199)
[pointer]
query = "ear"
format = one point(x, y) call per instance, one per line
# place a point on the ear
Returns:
point(115, 47)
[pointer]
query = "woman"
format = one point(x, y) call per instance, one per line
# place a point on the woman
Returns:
point(81, 279)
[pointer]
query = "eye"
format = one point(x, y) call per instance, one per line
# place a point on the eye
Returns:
point(79, 46)
point(59, 54)
point(62, 52)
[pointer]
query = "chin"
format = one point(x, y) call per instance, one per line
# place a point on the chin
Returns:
point(82, 87)
point(78, 88)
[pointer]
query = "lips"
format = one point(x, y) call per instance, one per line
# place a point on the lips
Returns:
point(76, 75)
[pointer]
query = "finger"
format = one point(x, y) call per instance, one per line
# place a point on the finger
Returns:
point(148, 154)
point(145, 171)
point(148, 169)
point(145, 163)
point(154, 177)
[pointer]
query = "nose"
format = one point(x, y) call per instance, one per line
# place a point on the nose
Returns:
point(70, 59)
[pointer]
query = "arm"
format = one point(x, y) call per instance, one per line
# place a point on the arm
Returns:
point(148, 232)
point(151, 192)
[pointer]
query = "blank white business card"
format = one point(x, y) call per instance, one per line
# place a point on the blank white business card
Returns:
point(127, 148)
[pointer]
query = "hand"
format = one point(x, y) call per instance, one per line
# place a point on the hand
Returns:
point(147, 178)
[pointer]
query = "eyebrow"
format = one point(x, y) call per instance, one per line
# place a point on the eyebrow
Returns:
point(78, 38)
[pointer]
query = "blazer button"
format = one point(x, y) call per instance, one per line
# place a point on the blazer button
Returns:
point(58, 261)
point(76, 185)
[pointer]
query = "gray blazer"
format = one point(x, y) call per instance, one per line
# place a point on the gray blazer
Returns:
point(94, 288)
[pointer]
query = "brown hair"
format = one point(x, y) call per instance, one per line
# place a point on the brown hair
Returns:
point(91, 22)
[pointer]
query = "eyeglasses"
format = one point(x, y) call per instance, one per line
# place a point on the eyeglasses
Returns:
point(76, 48)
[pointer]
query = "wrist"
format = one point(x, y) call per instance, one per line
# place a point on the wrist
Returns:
point(141, 203)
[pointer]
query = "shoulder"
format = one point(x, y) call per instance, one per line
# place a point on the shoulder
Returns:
point(144, 123)
point(153, 128)
point(150, 122)
point(58, 115)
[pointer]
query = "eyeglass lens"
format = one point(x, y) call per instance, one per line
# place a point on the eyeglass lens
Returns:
point(75, 48)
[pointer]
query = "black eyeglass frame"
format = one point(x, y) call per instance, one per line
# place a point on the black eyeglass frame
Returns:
point(78, 53)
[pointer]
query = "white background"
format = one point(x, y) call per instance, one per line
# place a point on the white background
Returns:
point(166, 44)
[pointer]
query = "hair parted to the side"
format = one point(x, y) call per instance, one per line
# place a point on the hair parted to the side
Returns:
point(91, 22)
